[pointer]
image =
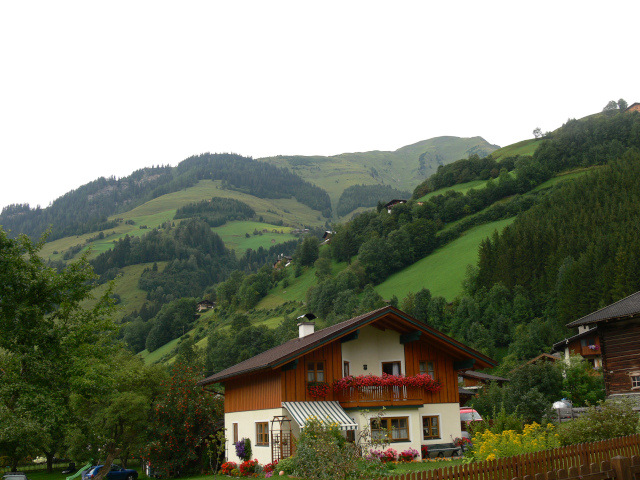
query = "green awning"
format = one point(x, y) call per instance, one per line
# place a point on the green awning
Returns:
point(327, 412)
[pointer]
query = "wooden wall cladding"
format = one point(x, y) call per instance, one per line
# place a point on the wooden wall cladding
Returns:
point(253, 392)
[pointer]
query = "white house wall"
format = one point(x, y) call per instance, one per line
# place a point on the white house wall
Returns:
point(372, 348)
point(448, 413)
point(247, 429)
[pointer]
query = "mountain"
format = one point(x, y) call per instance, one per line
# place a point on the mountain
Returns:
point(214, 226)
point(401, 169)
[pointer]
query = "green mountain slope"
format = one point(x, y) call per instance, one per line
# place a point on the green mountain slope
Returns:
point(402, 169)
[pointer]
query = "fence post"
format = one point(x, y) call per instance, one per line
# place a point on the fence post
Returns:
point(621, 465)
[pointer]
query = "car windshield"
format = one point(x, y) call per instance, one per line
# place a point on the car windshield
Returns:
point(470, 416)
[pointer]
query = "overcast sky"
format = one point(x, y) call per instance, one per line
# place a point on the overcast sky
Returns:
point(90, 89)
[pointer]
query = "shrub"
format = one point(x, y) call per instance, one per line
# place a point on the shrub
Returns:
point(489, 446)
point(408, 455)
point(249, 467)
point(609, 419)
point(388, 455)
point(243, 449)
point(286, 465)
point(322, 452)
point(227, 467)
point(270, 467)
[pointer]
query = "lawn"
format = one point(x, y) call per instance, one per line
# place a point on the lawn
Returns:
point(441, 272)
point(400, 469)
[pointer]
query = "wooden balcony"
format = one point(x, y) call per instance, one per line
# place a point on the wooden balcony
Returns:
point(588, 352)
point(382, 396)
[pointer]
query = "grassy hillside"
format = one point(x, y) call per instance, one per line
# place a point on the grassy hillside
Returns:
point(441, 272)
point(162, 209)
point(400, 168)
point(297, 288)
point(525, 147)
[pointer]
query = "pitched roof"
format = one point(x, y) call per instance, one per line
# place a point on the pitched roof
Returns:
point(297, 347)
point(626, 307)
point(483, 376)
point(560, 346)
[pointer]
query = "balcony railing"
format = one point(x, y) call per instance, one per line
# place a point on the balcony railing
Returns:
point(380, 396)
point(589, 351)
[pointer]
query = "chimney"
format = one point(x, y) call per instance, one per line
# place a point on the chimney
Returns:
point(304, 327)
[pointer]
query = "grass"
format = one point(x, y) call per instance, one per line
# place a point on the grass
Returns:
point(441, 272)
point(297, 288)
point(525, 147)
point(234, 235)
point(565, 176)
point(461, 187)
point(400, 469)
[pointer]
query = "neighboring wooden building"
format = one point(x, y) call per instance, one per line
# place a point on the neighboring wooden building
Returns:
point(205, 305)
point(326, 238)
point(392, 204)
point(470, 382)
point(586, 343)
point(619, 340)
point(268, 399)
point(634, 107)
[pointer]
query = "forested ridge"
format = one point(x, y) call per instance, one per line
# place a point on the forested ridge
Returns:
point(86, 208)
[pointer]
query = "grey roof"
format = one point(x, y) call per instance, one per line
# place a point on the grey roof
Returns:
point(483, 376)
point(559, 346)
point(464, 391)
point(292, 349)
point(626, 307)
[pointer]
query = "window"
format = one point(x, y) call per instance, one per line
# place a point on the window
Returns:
point(430, 427)
point(427, 367)
point(395, 429)
point(235, 433)
point(345, 369)
point(391, 368)
point(635, 381)
point(262, 433)
point(315, 371)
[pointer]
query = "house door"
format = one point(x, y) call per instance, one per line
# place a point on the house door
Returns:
point(393, 368)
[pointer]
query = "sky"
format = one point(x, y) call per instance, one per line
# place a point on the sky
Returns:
point(91, 89)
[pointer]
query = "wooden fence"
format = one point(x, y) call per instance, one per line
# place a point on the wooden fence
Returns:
point(587, 461)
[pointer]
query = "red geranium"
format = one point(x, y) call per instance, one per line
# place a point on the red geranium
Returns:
point(421, 380)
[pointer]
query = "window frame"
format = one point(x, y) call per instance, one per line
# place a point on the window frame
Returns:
point(235, 433)
point(429, 371)
point(315, 371)
point(392, 363)
point(261, 436)
point(389, 428)
point(346, 368)
point(430, 418)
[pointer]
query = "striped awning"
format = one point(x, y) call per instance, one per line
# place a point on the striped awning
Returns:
point(327, 412)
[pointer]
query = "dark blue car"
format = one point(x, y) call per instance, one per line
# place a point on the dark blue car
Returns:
point(115, 473)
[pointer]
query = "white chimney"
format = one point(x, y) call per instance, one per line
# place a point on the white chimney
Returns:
point(305, 328)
